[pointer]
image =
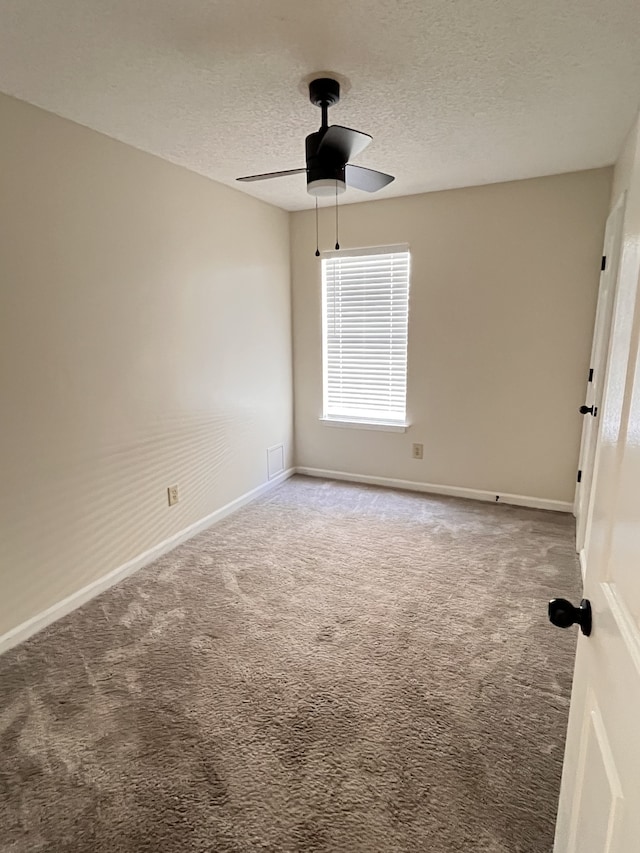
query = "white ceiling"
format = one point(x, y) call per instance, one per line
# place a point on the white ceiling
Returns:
point(454, 92)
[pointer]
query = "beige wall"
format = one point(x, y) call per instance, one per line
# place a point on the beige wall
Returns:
point(503, 292)
point(144, 341)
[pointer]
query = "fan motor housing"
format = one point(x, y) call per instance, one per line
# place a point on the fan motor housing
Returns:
point(324, 176)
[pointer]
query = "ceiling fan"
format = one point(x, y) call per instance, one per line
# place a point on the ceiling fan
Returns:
point(329, 150)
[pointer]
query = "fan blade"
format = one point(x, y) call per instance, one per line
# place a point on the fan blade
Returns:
point(267, 175)
point(366, 179)
point(342, 143)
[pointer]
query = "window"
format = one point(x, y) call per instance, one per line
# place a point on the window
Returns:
point(365, 308)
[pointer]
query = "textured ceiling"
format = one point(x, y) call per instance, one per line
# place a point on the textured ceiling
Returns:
point(454, 92)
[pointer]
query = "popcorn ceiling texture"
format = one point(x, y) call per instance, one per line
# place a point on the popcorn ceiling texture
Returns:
point(333, 669)
point(454, 93)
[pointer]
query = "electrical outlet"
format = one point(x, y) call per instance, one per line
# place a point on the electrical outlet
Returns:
point(417, 451)
point(172, 494)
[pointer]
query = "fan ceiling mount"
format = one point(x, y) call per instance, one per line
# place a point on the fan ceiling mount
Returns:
point(329, 150)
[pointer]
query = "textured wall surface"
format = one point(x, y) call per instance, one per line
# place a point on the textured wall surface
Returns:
point(503, 292)
point(144, 341)
point(454, 93)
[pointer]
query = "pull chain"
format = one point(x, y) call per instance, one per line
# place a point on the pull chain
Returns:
point(337, 243)
point(317, 246)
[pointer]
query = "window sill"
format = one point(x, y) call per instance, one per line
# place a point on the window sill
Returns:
point(377, 425)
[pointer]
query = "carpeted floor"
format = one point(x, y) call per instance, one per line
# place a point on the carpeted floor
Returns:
point(334, 668)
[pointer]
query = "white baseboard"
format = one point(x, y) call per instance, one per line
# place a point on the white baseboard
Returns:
point(22, 632)
point(431, 488)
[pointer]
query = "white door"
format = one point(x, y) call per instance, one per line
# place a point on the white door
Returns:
point(599, 809)
point(596, 377)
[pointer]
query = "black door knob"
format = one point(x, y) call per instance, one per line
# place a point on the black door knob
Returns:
point(588, 410)
point(563, 614)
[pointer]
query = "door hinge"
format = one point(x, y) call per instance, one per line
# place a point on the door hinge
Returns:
point(579, 477)
point(590, 379)
point(603, 263)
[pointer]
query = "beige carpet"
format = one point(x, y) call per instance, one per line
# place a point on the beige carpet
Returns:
point(335, 668)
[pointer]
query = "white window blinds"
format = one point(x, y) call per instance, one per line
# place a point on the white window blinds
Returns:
point(365, 296)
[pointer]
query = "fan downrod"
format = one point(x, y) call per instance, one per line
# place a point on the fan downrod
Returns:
point(324, 93)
